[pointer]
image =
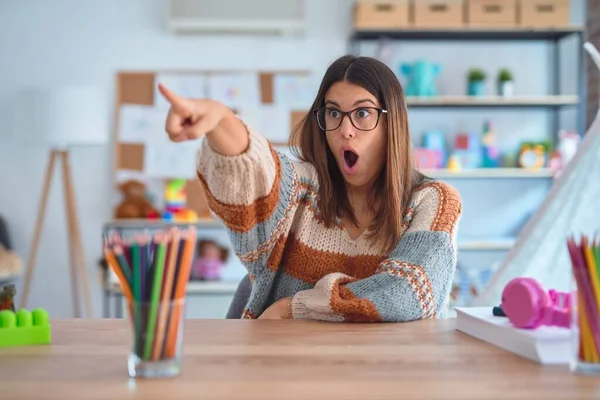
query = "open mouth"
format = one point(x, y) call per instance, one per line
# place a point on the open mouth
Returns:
point(350, 158)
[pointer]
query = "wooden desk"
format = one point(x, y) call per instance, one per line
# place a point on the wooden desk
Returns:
point(233, 359)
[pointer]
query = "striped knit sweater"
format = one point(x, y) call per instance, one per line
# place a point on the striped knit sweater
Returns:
point(268, 203)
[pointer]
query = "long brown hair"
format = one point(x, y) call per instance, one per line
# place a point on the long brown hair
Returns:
point(394, 186)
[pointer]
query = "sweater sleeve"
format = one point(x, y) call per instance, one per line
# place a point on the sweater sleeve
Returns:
point(254, 194)
point(413, 283)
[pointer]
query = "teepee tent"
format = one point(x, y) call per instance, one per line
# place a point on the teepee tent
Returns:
point(572, 207)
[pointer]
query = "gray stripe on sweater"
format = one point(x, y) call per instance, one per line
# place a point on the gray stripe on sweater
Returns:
point(399, 302)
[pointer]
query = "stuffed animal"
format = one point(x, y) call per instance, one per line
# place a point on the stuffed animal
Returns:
point(135, 203)
point(421, 78)
point(567, 146)
point(210, 261)
point(7, 298)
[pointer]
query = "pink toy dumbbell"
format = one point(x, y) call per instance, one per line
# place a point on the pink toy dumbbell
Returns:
point(528, 306)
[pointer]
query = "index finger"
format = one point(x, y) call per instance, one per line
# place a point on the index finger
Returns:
point(180, 104)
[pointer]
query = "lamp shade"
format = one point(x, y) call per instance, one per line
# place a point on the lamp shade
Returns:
point(62, 116)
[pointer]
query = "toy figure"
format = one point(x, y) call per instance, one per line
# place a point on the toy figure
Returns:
point(7, 298)
point(491, 154)
point(210, 261)
point(567, 146)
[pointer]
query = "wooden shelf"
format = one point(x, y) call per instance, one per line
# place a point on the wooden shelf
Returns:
point(486, 244)
point(193, 287)
point(489, 173)
point(159, 223)
point(493, 101)
point(472, 34)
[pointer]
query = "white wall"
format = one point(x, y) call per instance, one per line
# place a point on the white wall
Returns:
point(75, 41)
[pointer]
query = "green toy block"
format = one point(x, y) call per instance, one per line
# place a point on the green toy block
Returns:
point(24, 328)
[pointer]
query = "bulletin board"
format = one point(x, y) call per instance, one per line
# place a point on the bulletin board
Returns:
point(273, 102)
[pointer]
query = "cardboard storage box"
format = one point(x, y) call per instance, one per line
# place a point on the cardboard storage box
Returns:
point(544, 13)
point(492, 13)
point(438, 13)
point(381, 14)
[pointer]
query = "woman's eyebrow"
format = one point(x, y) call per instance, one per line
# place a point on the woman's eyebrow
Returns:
point(355, 103)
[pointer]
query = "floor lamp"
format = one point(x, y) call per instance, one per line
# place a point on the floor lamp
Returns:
point(61, 118)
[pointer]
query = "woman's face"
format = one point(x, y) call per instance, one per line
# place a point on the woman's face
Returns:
point(360, 154)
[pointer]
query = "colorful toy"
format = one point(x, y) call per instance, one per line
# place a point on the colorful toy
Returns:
point(421, 78)
point(490, 152)
point(7, 298)
point(210, 261)
point(435, 140)
point(426, 158)
point(175, 203)
point(24, 328)
point(528, 306)
point(533, 155)
point(468, 150)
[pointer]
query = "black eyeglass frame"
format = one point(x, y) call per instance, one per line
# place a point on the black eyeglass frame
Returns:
point(344, 113)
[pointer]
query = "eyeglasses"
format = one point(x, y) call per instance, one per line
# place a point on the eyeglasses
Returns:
point(362, 118)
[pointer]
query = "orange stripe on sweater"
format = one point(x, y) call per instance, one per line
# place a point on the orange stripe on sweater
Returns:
point(310, 265)
point(241, 217)
point(354, 309)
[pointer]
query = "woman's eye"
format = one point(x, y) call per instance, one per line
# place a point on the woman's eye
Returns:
point(334, 113)
point(363, 112)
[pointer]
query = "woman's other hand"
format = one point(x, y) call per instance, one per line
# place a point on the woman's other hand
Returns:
point(281, 309)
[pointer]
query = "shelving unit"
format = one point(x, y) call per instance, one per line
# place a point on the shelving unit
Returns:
point(555, 101)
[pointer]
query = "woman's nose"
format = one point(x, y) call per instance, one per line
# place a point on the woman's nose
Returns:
point(346, 129)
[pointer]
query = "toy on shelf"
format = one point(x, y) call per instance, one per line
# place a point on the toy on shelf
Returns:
point(533, 155)
point(210, 261)
point(491, 154)
point(135, 203)
point(24, 328)
point(7, 298)
point(175, 203)
point(568, 143)
point(467, 150)
point(435, 140)
point(421, 78)
point(426, 158)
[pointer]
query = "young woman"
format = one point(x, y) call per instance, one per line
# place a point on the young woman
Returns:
point(352, 232)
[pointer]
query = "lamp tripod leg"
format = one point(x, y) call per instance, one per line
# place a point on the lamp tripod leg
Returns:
point(38, 228)
point(78, 265)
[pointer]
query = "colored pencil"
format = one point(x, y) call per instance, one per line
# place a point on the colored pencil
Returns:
point(153, 272)
point(179, 292)
point(585, 260)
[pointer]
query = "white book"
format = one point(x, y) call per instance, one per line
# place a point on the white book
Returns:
point(544, 345)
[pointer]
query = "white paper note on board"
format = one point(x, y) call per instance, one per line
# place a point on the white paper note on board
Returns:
point(141, 124)
point(235, 90)
point(294, 90)
point(192, 86)
point(164, 159)
point(271, 121)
